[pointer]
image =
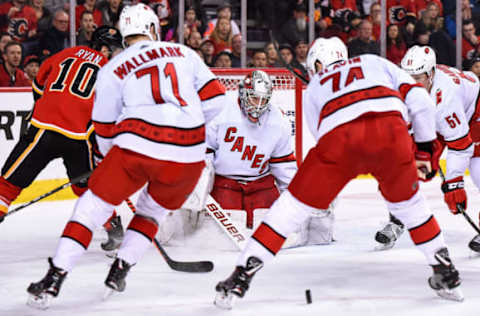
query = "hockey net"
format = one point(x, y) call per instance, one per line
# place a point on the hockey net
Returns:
point(287, 96)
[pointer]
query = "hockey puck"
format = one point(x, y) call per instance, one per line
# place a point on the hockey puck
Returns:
point(308, 296)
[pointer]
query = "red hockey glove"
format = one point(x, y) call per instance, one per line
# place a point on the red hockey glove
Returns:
point(455, 194)
point(428, 163)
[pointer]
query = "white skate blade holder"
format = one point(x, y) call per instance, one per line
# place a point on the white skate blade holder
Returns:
point(108, 293)
point(454, 294)
point(225, 301)
point(39, 302)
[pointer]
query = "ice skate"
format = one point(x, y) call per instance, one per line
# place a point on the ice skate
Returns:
point(446, 280)
point(237, 284)
point(116, 277)
point(115, 235)
point(388, 235)
point(474, 244)
point(42, 292)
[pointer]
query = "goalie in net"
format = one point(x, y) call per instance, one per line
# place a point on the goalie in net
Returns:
point(250, 149)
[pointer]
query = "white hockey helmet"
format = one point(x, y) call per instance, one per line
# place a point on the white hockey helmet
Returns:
point(255, 92)
point(326, 51)
point(419, 60)
point(137, 20)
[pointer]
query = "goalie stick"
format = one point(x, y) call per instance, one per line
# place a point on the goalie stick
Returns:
point(41, 197)
point(460, 208)
point(221, 217)
point(183, 266)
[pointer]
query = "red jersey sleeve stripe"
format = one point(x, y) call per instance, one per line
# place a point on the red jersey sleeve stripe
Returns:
point(268, 238)
point(288, 158)
point(348, 99)
point(425, 232)
point(405, 88)
point(211, 89)
point(461, 143)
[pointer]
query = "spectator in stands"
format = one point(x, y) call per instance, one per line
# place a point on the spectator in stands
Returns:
point(88, 5)
point(467, 14)
point(295, 28)
point(286, 51)
point(223, 60)
point(55, 5)
point(396, 46)
point(87, 27)
point(422, 7)
point(421, 35)
point(301, 51)
point(18, 19)
point(375, 18)
point(272, 57)
point(223, 11)
point(110, 10)
point(191, 21)
point(363, 43)
point(4, 39)
point(222, 36)
point(475, 66)
point(259, 59)
point(470, 41)
point(31, 66)
point(208, 49)
point(236, 50)
point(10, 73)
point(44, 17)
point(431, 17)
point(168, 29)
point(57, 37)
point(408, 30)
point(194, 40)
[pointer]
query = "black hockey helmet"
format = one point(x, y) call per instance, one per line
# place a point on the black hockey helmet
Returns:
point(106, 36)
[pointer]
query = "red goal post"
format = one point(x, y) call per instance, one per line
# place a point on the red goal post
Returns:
point(287, 95)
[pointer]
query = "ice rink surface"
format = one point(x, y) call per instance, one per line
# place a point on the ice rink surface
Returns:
point(346, 278)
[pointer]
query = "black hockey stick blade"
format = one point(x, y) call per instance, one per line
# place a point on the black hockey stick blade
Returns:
point(184, 266)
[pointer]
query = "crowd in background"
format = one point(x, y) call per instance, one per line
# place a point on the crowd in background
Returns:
point(33, 30)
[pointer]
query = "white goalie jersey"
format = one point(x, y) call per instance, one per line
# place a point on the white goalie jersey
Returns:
point(242, 150)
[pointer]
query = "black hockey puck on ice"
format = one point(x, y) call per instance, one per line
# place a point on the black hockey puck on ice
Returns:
point(308, 296)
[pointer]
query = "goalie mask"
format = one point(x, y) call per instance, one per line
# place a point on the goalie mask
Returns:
point(255, 92)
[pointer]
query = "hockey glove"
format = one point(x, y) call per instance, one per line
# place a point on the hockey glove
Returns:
point(455, 194)
point(427, 156)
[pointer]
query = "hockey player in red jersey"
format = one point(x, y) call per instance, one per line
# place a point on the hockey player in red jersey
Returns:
point(60, 123)
point(150, 126)
point(356, 109)
point(457, 98)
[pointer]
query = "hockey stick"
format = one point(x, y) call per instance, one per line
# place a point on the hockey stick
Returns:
point(225, 222)
point(185, 266)
point(460, 208)
point(63, 186)
point(284, 63)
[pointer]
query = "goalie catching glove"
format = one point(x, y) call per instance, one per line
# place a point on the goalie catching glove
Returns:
point(427, 157)
point(455, 194)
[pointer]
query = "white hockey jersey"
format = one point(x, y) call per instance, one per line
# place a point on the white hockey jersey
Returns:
point(247, 151)
point(154, 98)
point(455, 94)
point(345, 90)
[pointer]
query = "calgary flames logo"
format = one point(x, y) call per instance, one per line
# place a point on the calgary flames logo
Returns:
point(18, 28)
point(397, 14)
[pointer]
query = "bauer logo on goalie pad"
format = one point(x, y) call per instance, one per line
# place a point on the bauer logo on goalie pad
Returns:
point(231, 229)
